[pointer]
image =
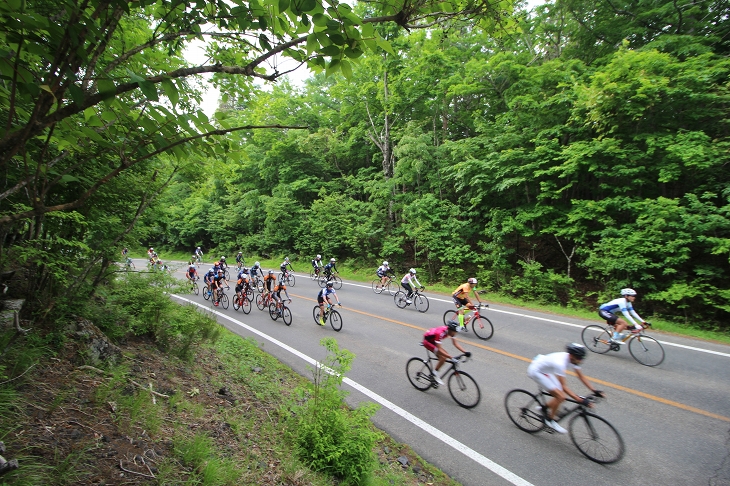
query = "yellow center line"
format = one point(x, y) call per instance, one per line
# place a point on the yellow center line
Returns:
point(615, 386)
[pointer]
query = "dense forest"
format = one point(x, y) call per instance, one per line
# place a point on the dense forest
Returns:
point(558, 153)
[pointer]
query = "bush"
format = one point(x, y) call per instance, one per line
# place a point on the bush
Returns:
point(328, 436)
point(541, 286)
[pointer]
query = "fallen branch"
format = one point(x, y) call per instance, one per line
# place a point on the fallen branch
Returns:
point(8, 381)
point(135, 472)
point(149, 389)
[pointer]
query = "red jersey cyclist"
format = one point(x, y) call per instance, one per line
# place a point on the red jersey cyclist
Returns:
point(461, 299)
point(432, 340)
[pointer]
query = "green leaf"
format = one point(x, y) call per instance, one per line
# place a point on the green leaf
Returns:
point(320, 20)
point(330, 51)
point(308, 5)
point(170, 90)
point(149, 90)
point(77, 94)
point(346, 69)
point(106, 88)
point(384, 45)
point(283, 5)
point(89, 112)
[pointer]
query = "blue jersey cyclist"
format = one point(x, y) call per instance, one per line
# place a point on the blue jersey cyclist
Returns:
point(324, 296)
point(218, 282)
point(254, 272)
point(239, 259)
point(208, 277)
point(330, 268)
point(609, 312)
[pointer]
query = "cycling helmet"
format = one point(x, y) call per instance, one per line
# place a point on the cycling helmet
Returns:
point(271, 272)
point(198, 248)
point(211, 272)
point(453, 326)
point(257, 264)
point(319, 257)
point(330, 284)
point(472, 281)
point(240, 253)
point(286, 259)
point(151, 248)
point(223, 258)
point(244, 269)
point(412, 270)
point(333, 260)
point(577, 350)
point(385, 264)
point(627, 292)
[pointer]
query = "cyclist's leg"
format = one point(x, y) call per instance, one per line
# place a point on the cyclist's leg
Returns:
point(320, 301)
point(551, 384)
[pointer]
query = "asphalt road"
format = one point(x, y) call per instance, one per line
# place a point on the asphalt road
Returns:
point(674, 418)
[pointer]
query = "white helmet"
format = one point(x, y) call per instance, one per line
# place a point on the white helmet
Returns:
point(286, 259)
point(627, 292)
point(319, 257)
point(333, 260)
point(472, 281)
point(257, 264)
point(412, 270)
point(198, 248)
point(223, 258)
point(385, 264)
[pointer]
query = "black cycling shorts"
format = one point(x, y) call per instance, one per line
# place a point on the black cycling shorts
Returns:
point(609, 317)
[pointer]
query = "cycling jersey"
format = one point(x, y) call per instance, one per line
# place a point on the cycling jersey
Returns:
point(192, 270)
point(316, 263)
point(545, 368)
point(383, 270)
point(462, 292)
point(329, 267)
point(325, 292)
point(239, 258)
point(284, 265)
point(436, 334)
point(622, 305)
point(407, 278)
point(254, 271)
point(269, 281)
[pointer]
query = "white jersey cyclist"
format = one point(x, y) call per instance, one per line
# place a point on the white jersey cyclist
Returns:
point(620, 305)
point(545, 367)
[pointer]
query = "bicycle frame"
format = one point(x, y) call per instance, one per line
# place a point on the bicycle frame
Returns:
point(564, 412)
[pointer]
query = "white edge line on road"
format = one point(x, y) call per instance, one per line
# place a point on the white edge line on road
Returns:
point(446, 439)
point(555, 321)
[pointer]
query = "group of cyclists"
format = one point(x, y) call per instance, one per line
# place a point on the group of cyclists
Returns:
point(548, 371)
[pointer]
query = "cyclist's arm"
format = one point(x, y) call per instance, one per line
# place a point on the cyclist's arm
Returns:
point(287, 295)
point(566, 389)
point(585, 381)
point(417, 282)
point(457, 345)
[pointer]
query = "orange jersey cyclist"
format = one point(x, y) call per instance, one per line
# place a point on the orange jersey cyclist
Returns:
point(461, 299)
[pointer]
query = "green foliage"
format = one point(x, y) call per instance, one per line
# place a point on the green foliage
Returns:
point(328, 436)
point(200, 455)
point(543, 286)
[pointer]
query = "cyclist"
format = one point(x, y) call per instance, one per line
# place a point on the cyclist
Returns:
point(150, 252)
point(269, 283)
point(609, 311)
point(255, 270)
point(217, 283)
point(192, 273)
point(239, 260)
point(317, 264)
point(223, 262)
point(125, 250)
point(461, 299)
point(241, 283)
point(549, 373)
point(199, 254)
point(432, 340)
point(405, 282)
point(324, 295)
point(208, 277)
point(283, 266)
point(330, 268)
point(277, 295)
point(383, 271)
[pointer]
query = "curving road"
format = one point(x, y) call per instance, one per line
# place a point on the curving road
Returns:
point(674, 419)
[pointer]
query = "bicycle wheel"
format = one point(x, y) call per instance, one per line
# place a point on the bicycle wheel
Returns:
point(451, 315)
point(246, 304)
point(227, 275)
point(419, 374)
point(196, 289)
point(322, 281)
point(482, 327)
point(377, 286)
point(273, 312)
point(335, 320)
point(312, 274)
point(464, 390)
point(236, 302)
point(646, 350)
point(337, 281)
point(206, 292)
point(596, 338)
point(421, 302)
point(596, 438)
point(286, 315)
point(390, 287)
point(315, 314)
point(400, 299)
point(291, 279)
point(260, 302)
point(524, 410)
point(224, 301)
point(249, 293)
point(260, 285)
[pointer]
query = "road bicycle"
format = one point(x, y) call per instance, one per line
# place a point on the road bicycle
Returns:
point(644, 349)
point(389, 286)
point(462, 387)
point(198, 258)
point(129, 265)
point(226, 273)
point(263, 301)
point(419, 300)
point(257, 282)
point(222, 298)
point(336, 281)
point(330, 314)
point(194, 286)
point(482, 326)
point(279, 309)
point(287, 278)
point(241, 301)
point(593, 435)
